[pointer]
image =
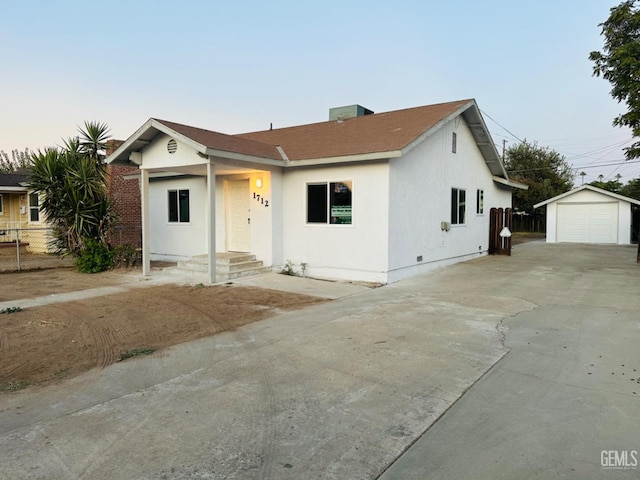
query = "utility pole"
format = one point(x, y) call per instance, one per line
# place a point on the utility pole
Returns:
point(582, 174)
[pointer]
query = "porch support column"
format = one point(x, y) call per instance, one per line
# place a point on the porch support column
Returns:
point(144, 197)
point(211, 220)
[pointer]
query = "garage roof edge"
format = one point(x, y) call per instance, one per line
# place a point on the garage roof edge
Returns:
point(587, 187)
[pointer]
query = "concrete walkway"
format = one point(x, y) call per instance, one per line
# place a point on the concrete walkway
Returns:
point(275, 281)
point(338, 390)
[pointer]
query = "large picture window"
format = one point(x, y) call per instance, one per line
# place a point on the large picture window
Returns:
point(34, 207)
point(178, 206)
point(458, 206)
point(330, 202)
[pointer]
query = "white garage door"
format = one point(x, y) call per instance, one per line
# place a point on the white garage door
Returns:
point(587, 222)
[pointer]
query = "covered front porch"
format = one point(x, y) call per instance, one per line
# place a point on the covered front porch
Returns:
point(214, 218)
point(201, 203)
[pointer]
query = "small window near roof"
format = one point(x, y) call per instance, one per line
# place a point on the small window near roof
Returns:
point(454, 142)
point(480, 202)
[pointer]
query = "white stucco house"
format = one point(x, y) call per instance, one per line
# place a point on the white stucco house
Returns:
point(589, 215)
point(363, 196)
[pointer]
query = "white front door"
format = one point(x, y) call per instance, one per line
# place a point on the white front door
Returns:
point(238, 218)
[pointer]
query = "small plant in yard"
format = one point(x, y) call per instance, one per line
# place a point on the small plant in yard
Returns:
point(136, 352)
point(94, 257)
point(11, 310)
point(125, 256)
point(62, 373)
point(288, 269)
point(13, 386)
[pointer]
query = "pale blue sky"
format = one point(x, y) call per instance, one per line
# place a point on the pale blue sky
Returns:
point(238, 66)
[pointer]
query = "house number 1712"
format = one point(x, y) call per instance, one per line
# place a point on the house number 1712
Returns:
point(258, 198)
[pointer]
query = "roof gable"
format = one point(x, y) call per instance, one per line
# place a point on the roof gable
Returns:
point(206, 142)
point(223, 142)
point(591, 188)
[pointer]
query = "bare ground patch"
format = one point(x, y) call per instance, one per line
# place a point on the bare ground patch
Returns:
point(51, 342)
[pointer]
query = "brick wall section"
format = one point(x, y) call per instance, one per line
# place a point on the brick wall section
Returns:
point(125, 199)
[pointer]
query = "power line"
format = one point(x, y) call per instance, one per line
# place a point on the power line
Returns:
point(627, 162)
point(504, 128)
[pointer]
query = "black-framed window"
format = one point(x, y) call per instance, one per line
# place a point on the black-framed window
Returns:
point(34, 207)
point(458, 206)
point(178, 206)
point(479, 202)
point(330, 202)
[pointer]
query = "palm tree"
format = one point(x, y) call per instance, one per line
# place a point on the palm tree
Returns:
point(71, 183)
point(93, 140)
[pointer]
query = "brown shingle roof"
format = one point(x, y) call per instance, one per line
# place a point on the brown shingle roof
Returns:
point(381, 132)
point(227, 143)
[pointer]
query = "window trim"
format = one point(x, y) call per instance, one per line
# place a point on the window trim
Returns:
point(32, 207)
point(328, 221)
point(480, 201)
point(456, 221)
point(178, 211)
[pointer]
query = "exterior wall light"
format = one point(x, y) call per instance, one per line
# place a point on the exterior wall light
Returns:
point(258, 183)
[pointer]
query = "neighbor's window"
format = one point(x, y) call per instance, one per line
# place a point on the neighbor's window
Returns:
point(454, 142)
point(179, 206)
point(458, 206)
point(34, 207)
point(329, 202)
point(480, 202)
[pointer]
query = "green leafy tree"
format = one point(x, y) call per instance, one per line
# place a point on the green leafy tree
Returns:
point(72, 185)
point(631, 189)
point(610, 185)
point(544, 170)
point(619, 63)
point(18, 159)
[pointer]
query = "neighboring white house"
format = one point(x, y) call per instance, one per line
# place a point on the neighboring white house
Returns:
point(363, 196)
point(589, 215)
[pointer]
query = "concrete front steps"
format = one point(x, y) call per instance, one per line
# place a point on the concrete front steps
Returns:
point(229, 265)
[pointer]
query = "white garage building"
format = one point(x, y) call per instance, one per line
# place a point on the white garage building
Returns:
point(589, 215)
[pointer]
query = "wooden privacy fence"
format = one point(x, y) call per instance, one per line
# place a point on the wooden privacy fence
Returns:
point(532, 222)
point(498, 219)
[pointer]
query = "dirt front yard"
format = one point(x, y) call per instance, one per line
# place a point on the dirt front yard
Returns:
point(48, 343)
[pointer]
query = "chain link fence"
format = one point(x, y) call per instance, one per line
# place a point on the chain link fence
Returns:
point(28, 249)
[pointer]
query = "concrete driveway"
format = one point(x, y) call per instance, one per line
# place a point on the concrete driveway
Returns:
point(565, 401)
point(344, 389)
